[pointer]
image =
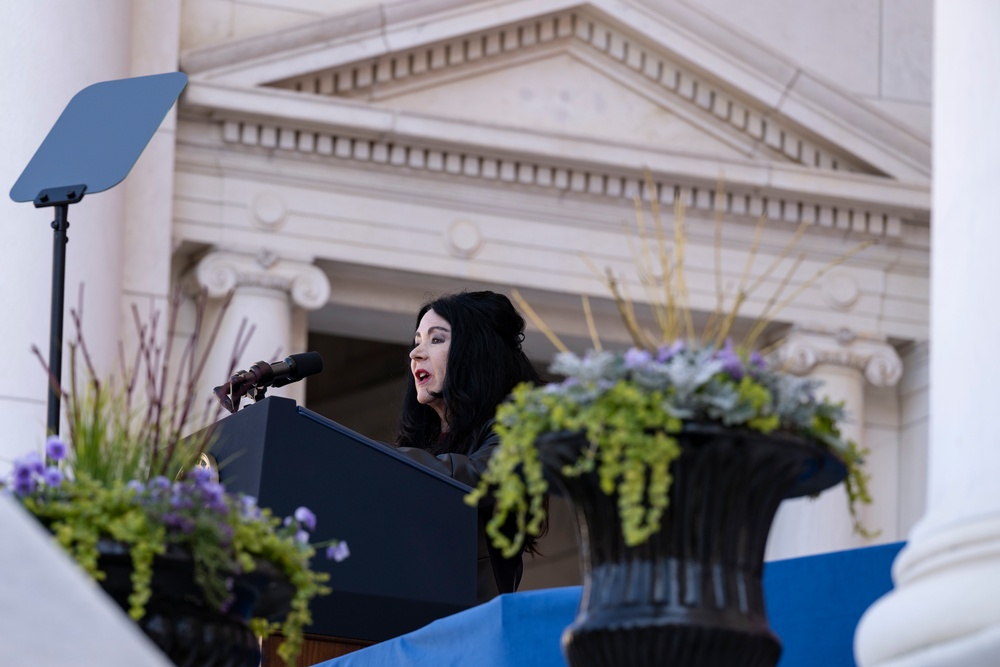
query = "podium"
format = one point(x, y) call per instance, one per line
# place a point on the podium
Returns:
point(412, 538)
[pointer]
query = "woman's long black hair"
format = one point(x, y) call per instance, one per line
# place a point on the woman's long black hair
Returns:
point(485, 362)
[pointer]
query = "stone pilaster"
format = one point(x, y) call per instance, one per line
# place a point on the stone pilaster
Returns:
point(68, 46)
point(845, 362)
point(266, 291)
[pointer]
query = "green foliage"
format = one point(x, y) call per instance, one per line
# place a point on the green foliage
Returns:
point(630, 407)
point(227, 537)
point(264, 540)
point(128, 475)
point(83, 512)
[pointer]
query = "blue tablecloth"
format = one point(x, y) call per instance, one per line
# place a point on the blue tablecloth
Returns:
point(814, 605)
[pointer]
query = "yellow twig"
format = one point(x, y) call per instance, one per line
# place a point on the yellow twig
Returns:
point(682, 290)
point(647, 276)
point(533, 316)
point(741, 291)
point(766, 318)
point(669, 303)
point(720, 196)
point(792, 242)
point(591, 327)
point(626, 311)
point(771, 347)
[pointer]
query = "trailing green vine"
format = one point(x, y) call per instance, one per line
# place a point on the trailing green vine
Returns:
point(630, 406)
point(127, 478)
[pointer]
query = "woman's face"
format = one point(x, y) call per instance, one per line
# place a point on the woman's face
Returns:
point(429, 361)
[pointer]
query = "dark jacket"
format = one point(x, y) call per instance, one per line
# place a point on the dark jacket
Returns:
point(494, 573)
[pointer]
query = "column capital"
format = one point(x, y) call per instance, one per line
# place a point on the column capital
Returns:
point(221, 271)
point(806, 348)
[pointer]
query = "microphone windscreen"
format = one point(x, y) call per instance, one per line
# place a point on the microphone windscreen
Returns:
point(305, 364)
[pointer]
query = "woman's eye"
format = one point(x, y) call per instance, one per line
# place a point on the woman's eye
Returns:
point(437, 340)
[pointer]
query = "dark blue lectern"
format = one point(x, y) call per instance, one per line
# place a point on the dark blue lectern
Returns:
point(412, 538)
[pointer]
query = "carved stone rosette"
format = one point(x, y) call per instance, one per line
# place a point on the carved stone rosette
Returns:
point(221, 271)
point(876, 359)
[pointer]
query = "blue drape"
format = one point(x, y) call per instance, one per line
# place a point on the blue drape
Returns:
point(814, 604)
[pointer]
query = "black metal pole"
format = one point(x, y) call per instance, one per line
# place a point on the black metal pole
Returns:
point(59, 241)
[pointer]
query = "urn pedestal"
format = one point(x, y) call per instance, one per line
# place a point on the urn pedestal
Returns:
point(691, 595)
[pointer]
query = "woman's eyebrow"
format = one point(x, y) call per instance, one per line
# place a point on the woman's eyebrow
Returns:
point(416, 334)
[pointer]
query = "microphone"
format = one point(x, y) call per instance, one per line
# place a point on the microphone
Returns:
point(280, 373)
point(262, 375)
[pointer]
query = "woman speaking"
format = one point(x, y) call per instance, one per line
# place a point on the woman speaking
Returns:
point(466, 359)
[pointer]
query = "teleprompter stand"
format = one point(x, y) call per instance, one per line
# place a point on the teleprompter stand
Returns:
point(91, 148)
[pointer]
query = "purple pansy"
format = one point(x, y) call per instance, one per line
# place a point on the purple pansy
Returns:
point(200, 476)
point(215, 496)
point(25, 486)
point(27, 470)
point(180, 500)
point(636, 358)
point(158, 487)
point(53, 476)
point(178, 522)
point(306, 518)
point(248, 507)
point(28, 465)
point(731, 362)
point(338, 551)
point(55, 448)
point(22, 471)
point(665, 352)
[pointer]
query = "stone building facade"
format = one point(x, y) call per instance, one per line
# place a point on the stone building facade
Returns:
point(338, 163)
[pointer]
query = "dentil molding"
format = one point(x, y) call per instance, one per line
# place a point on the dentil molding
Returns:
point(221, 272)
point(540, 171)
point(805, 349)
point(352, 127)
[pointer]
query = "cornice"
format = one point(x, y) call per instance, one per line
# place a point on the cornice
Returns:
point(358, 33)
point(713, 68)
point(347, 130)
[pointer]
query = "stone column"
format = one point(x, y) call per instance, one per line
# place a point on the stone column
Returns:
point(944, 610)
point(844, 362)
point(267, 290)
point(51, 50)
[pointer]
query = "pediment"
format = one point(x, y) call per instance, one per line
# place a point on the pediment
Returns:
point(567, 91)
point(567, 94)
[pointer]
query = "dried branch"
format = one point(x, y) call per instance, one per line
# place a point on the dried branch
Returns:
point(591, 327)
point(538, 322)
